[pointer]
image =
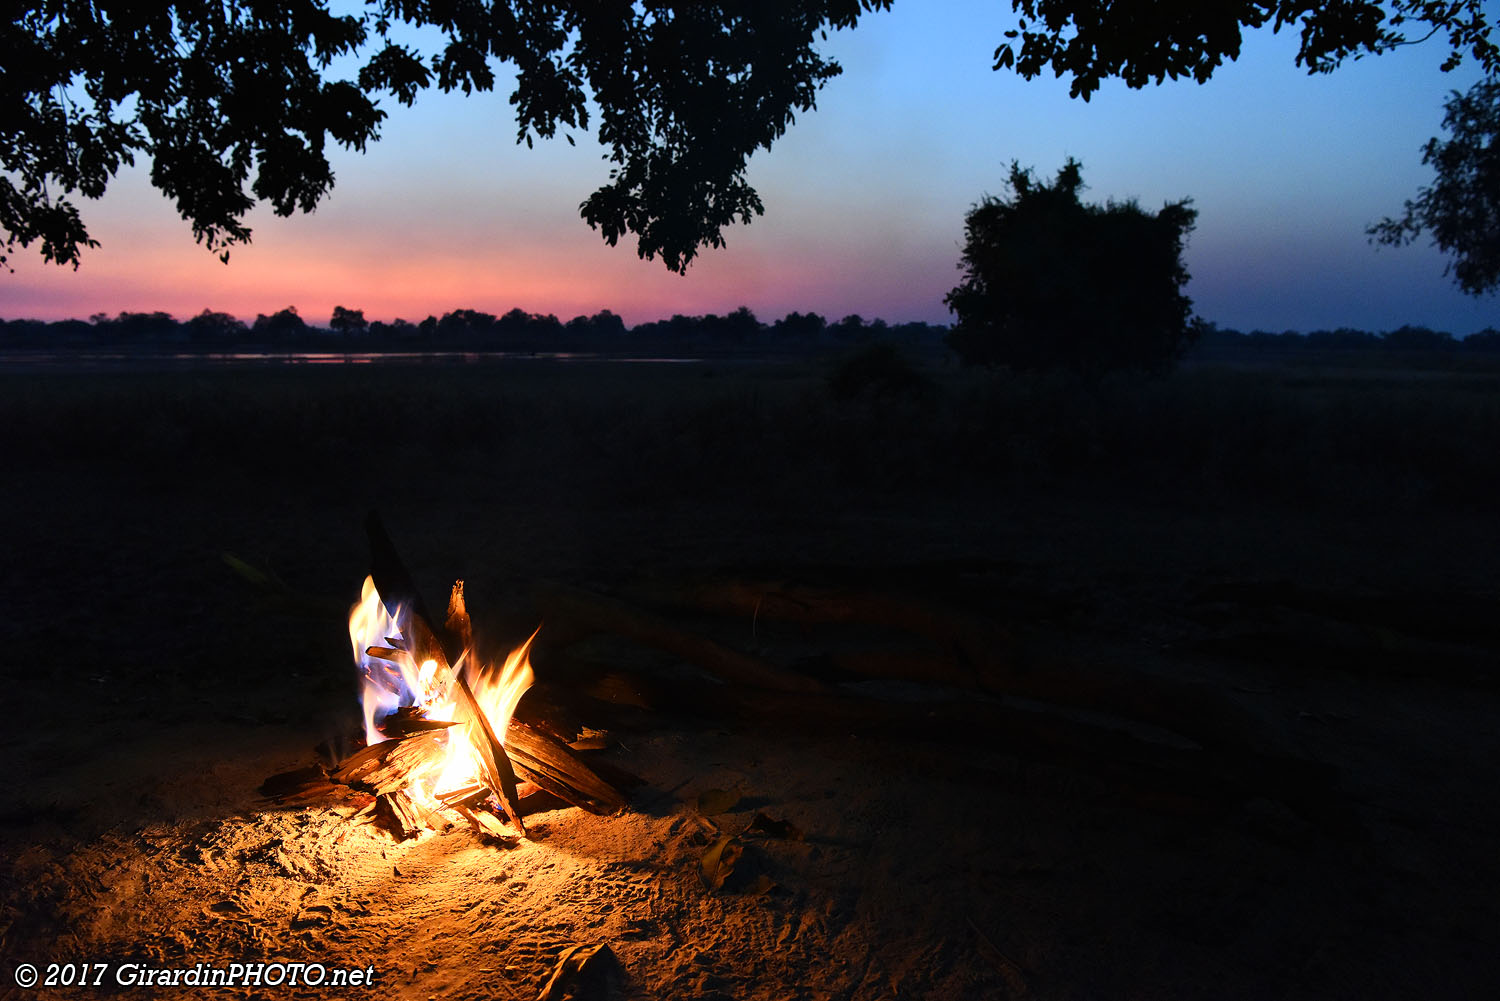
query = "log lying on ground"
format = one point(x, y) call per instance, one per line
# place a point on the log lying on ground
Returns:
point(1135, 763)
point(951, 629)
point(606, 614)
point(978, 655)
point(1237, 752)
point(556, 768)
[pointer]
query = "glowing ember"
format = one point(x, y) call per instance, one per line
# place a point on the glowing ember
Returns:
point(396, 686)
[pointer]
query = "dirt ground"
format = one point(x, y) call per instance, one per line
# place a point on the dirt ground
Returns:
point(152, 693)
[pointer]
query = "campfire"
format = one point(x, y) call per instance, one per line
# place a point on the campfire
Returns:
point(441, 741)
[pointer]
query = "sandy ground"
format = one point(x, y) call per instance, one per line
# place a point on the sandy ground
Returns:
point(151, 696)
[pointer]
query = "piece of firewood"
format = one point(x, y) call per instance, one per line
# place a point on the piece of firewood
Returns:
point(487, 825)
point(1308, 786)
point(493, 761)
point(463, 795)
point(457, 622)
point(607, 614)
point(408, 720)
point(974, 652)
point(398, 590)
point(387, 766)
point(551, 764)
point(399, 813)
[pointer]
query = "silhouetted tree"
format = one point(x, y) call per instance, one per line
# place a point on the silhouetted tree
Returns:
point(800, 326)
point(1461, 209)
point(1412, 338)
point(736, 328)
point(281, 326)
point(209, 327)
point(1050, 282)
point(347, 322)
point(1342, 339)
point(466, 326)
point(135, 328)
point(212, 92)
point(603, 325)
point(1487, 339)
point(849, 330)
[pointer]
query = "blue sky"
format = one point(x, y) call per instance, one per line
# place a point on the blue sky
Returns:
point(864, 197)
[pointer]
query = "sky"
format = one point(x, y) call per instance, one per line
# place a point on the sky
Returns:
point(865, 199)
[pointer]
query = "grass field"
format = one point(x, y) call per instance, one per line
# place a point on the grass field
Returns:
point(128, 639)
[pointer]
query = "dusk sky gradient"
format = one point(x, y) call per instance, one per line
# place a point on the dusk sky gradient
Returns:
point(865, 199)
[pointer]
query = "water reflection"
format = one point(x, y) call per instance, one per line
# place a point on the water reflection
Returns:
point(191, 359)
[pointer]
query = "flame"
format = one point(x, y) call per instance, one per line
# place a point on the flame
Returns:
point(391, 680)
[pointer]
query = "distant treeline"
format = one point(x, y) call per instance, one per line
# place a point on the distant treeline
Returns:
point(1213, 340)
point(465, 330)
point(605, 332)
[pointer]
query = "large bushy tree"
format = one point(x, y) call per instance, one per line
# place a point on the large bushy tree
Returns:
point(235, 102)
point(1053, 283)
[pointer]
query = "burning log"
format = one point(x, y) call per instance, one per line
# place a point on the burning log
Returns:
point(387, 767)
point(493, 760)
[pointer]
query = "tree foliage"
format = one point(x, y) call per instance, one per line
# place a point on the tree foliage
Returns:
point(348, 322)
point(1052, 283)
point(1148, 41)
point(235, 102)
point(1461, 209)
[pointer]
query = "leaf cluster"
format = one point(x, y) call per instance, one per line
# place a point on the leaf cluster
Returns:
point(1148, 41)
point(1461, 208)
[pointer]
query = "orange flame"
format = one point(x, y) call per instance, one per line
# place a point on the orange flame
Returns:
point(391, 680)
